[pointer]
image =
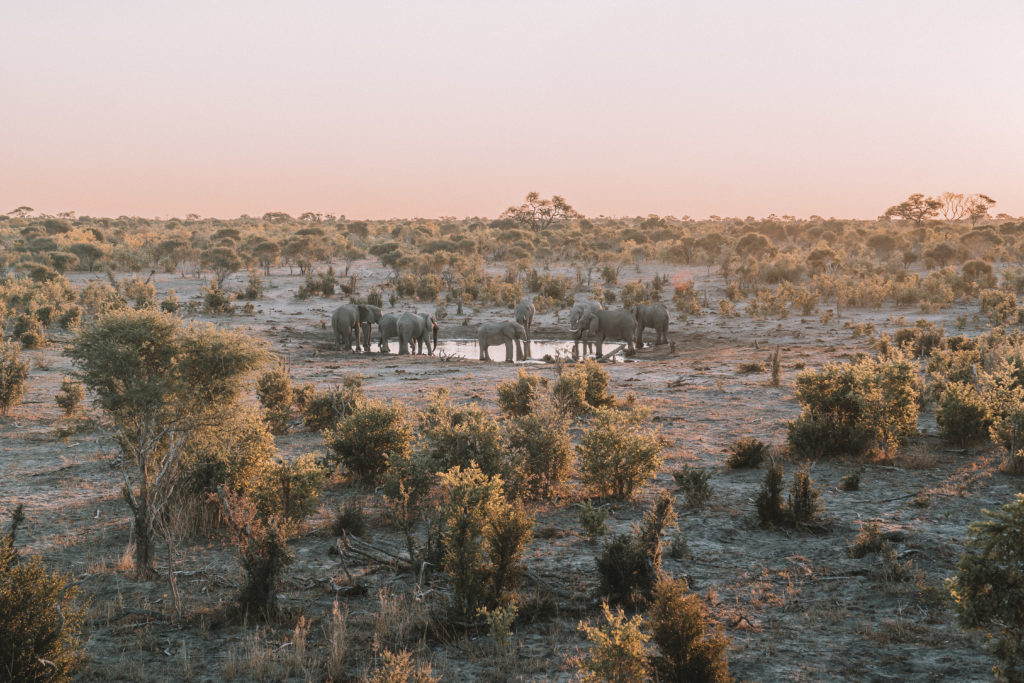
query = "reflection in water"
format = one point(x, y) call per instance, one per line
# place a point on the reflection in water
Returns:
point(468, 348)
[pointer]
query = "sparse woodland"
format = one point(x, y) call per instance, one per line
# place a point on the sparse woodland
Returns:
point(196, 484)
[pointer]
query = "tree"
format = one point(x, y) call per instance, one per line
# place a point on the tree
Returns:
point(916, 208)
point(537, 214)
point(223, 261)
point(978, 206)
point(954, 206)
point(159, 382)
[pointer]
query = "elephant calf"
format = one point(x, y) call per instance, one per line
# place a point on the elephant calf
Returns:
point(417, 330)
point(493, 334)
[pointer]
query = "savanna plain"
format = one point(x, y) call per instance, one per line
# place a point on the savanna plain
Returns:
point(782, 490)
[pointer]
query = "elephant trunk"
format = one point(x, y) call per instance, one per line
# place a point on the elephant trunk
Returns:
point(435, 337)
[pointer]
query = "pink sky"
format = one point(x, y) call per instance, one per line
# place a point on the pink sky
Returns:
point(382, 109)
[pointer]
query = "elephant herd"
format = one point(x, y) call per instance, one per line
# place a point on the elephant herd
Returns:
point(588, 322)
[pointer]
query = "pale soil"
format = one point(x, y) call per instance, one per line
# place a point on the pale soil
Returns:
point(794, 604)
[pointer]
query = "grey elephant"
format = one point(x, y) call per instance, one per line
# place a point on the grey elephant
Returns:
point(525, 311)
point(650, 315)
point(388, 328)
point(368, 316)
point(575, 314)
point(416, 328)
point(493, 334)
point(614, 325)
point(344, 320)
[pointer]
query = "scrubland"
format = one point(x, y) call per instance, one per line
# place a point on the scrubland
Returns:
point(782, 492)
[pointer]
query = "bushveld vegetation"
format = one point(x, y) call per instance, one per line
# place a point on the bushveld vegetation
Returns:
point(456, 496)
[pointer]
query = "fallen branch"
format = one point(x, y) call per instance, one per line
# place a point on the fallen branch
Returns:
point(608, 355)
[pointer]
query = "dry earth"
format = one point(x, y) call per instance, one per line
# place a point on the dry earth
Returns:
point(794, 604)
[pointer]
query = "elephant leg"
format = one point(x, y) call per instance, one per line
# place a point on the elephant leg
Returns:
point(522, 350)
point(598, 345)
point(508, 351)
point(484, 355)
point(403, 347)
point(366, 337)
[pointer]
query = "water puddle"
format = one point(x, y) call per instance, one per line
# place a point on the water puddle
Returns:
point(539, 351)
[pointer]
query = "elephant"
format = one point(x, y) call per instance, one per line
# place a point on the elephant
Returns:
point(418, 328)
point(344, 319)
point(388, 328)
point(492, 334)
point(650, 315)
point(575, 313)
point(615, 325)
point(524, 316)
point(368, 315)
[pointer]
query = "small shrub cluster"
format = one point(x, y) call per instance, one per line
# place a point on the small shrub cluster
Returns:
point(541, 449)
point(322, 284)
point(592, 520)
point(349, 519)
point(274, 390)
point(583, 388)
point(804, 504)
point(517, 397)
point(323, 409)
point(746, 453)
point(13, 375)
point(369, 438)
point(961, 414)
point(216, 300)
point(70, 395)
point(461, 435)
point(629, 564)
point(693, 482)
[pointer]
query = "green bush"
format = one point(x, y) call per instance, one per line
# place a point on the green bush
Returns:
point(370, 437)
point(542, 448)
point(629, 564)
point(290, 489)
point(483, 537)
point(40, 618)
point(989, 585)
point(263, 552)
point(689, 649)
point(141, 293)
point(29, 331)
point(961, 414)
point(13, 375)
point(770, 508)
point(582, 388)
point(71, 318)
point(216, 300)
point(693, 482)
point(516, 397)
point(593, 519)
point(170, 303)
point(747, 452)
point(804, 499)
point(618, 649)
point(461, 435)
point(70, 395)
point(350, 519)
point(274, 390)
point(618, 453)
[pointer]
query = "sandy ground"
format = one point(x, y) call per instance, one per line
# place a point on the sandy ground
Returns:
point(794, 604)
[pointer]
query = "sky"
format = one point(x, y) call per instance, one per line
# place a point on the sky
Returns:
point(443, 108)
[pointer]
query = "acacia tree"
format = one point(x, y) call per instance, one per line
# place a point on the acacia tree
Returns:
point(159, 382)
point(916, 208)
point(537, 214)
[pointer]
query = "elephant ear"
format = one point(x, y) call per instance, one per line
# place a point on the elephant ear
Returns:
point(594, 324)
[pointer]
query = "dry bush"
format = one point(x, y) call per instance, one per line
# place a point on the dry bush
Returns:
point(747, 452)
point(350, 519)
point(290, 489)
point(869, 540)
point(274, 390)
point(323, 409)
point(399, 667)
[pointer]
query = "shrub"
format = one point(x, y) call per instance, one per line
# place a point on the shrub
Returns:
point(263, 552)
point(869, 540)
point(583, 388)
point(170, 303)
point(483, 538)
point(399, 667)
point(618, 650)
point(289, 489)
point(747, 452)
point(961, 414)
point(770, 508)
point(617, 453)
point(685, 298)
point(350, 519)
point(542, 447)
point(323, 409)
point(461, 435)
point(29, 331)
point(851, 482)
point(751, 368)
point(13, 375)
point(629, 564)
point(71, 318)
point(516, 397)
point(693, 482)
point(370, 437)
point(70, 395)
point(592, 519)
point(804, 503)
point(254, 287)
point(989, 584)
point(40, 619)
point(689, 650)
point(274, 390)
point(635, 292)
point(216, 300)
point(141, 293)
